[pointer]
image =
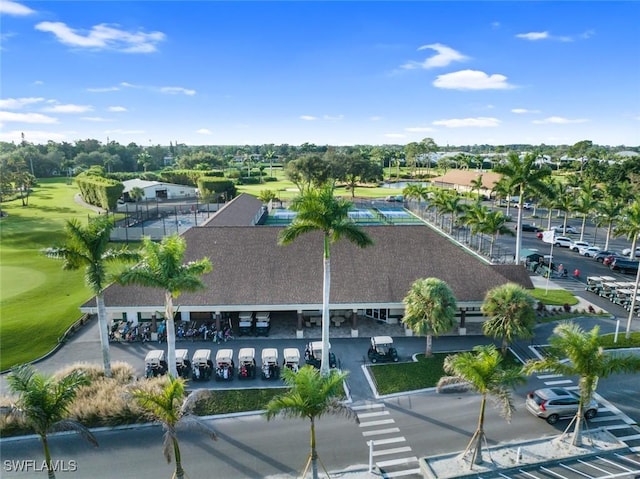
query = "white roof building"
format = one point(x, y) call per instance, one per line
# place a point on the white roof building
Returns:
point(158, 189)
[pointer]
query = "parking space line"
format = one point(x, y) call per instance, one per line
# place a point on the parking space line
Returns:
point(549, 376)
point(406, 472)
point(381, 431)
point(555, 383)
point(391, 440)
point(629, 438)
point(365, 407)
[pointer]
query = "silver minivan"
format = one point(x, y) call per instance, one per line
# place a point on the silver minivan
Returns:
point(552, 404)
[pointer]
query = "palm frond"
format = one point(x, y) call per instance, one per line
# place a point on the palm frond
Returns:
point(194, 423)
point(71, 425)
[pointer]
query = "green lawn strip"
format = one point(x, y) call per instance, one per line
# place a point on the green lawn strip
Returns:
point(606, 340)
point(425, 373)
point(228, 401)
point(554, 297)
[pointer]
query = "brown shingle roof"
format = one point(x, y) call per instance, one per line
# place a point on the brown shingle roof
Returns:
point(464, 178)
point(241, 211)
point(249, 267)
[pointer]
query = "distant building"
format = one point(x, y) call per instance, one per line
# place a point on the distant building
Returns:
point(461, 180)
point(159, 190)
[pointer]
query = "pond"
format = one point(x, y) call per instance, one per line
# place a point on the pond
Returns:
point(400, 185)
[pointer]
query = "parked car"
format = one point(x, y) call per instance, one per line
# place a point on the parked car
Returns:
point(552, 404)
point(530, 227)
point(562, 241)
point(561, 229)
point(576, 245)
point(525, 206)
point(624, 265)
point(627, 252)
point(382, 350)
point(589, 251)
point(609, 259)
point(602, 254)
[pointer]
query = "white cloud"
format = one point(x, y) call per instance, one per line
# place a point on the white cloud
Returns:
point(478, 122)
point(11, 117)
point(204, 131)
point(443, 57)
point(395, 135)
point(375, 118)
point(128, 85)
point(308, 117)
point(495, 25)
point(68, 108)
point(333, 118)
point(472, 80)
point(533, 36)
point(116, 109)
point(177, 90)
point(559, 120)
point(103, 89)
point(419, 129)
point(523, 111)
point(103, 37)
point(18, 103)
point(33, 136)
point(96, 119)
point(8, 7)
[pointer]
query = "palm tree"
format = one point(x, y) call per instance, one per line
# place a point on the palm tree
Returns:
point(585, 203)
point(630, 227)
point(494, 224)
point(586, 359)
point(609, 211)
point(43, 402)
point(483, 370)
point(474, 216)
point(476, 185)
point(452, 206)
point(318, 209)
point(89, 246)
point(163, 267)
point(416, 191)
point(525, 179)
point(310, 395)
point(269, 155)
point(511, 314)
point(170, 406)
point(430, 309)
point(136, 193)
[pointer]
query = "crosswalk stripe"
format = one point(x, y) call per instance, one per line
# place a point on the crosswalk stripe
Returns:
point(629, 438)
point(381, 431)
point(561, 381)
point(372, 414)
point(391, 440)
point(377, 423)
point(395, 450)
point(604, 419)
point(406, 472)
point(397, 462)
point(635, 449)
point(549, 376)
point(365, 407)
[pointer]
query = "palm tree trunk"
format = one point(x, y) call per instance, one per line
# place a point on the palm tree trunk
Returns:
point(493, 238)
point(429, 351)
point(47, 456)
point(519, 225)
point(171, 333)
point(584, 220)
point(326, 287)
point(314, 453)
point(477, 454)
point(606, 244)
point(179, 474)
point(104, 334)
point(577, 431)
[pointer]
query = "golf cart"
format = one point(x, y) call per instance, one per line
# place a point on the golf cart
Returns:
point(382, 350)
point(270, 368)
point(224, 365)
point(263, 323)
point(247, 363)
point(245, 323)
point(183, 364)
point(291, 359)
point(202, 365)
point(313, 355)
point(155, 363)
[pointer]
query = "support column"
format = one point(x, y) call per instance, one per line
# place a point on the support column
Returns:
point(354, 323)
point(218, 316)
point(299, 330)
point(463, 316)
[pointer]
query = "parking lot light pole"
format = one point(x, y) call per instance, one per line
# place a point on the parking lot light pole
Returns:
point(633, 303)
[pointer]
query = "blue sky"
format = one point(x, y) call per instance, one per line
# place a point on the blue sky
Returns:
point(333, 72)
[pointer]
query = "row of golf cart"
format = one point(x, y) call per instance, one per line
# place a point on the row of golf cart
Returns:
point(251, 324)
point(201, 368)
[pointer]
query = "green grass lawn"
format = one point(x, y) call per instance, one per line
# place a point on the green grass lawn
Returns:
point(38, 299)
point(554, 297)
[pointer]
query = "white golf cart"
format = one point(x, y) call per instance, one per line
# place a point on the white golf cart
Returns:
point(224, 365)
point(291, 359)
point(313, 355)
point(183, 363)
point(245, 323)
point(270, 368)
point(382, 350)
point(247, 363)
point(263, 323)
point(155, 363)
point(202, 365)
